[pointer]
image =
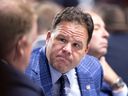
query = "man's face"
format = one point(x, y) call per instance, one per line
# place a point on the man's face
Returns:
point(99, 41)
point(66, 45)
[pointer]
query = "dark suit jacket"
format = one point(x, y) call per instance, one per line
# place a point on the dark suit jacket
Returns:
point(117, 55)
point(14, 83)
point(89, 73)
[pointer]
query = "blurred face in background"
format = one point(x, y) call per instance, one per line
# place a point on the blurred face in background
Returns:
point(25, 47)
point(99, 42)
point(30, 39)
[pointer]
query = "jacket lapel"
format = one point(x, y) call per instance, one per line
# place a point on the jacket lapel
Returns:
point(86, 82)
point(44, 73)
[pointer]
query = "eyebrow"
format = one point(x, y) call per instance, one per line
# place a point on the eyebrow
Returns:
point(97, 25)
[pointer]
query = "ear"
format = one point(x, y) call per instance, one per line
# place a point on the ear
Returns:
point(48, 36)
point(21, 44)
point(87, 48)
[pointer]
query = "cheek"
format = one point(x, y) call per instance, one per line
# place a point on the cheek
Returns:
point(94, 41)
point(55, 46)
point(53, 50)
point(94, 38)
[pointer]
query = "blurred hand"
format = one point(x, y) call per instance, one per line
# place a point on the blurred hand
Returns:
point(110, 75)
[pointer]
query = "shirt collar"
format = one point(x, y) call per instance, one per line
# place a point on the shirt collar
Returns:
point(55, 75)
point(71, 76)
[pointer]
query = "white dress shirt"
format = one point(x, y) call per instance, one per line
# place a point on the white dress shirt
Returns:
point(72, 86)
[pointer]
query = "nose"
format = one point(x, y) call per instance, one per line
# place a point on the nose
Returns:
point(106, 34)
point(67, 49)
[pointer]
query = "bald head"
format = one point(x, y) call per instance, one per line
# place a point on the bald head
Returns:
point(99, 42)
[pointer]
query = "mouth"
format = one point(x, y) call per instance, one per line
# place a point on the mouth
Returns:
point(62, 58)
point(104, 44)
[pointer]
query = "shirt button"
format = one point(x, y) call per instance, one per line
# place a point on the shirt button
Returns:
point(88, 87)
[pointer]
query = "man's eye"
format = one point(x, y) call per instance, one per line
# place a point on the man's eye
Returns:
point(76, 45)
point(62, 40)
point(96, 28)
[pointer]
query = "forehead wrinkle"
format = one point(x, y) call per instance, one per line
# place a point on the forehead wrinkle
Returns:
point(76, 34)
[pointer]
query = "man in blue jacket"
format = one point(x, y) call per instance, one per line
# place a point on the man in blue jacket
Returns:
point(66, 45)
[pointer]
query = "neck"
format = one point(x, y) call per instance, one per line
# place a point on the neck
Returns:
point(13, 61)
point(95, 55)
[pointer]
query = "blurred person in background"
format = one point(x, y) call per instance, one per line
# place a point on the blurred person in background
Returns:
point(98, 48)
point(46, 13)
point(34, 3)
point(18, 30)
point(120, 3)
point(116, 24)
point(66, 3)
point(118, 41)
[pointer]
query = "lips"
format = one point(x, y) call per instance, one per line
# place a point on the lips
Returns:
point(62, 58)
point(104, 45)
point(104, 42)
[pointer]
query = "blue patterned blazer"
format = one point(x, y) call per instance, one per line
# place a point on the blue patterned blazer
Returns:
point(89, 73)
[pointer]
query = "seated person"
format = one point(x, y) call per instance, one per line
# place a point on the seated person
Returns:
point(113, 85)
point(66, 45)
point(17, 32)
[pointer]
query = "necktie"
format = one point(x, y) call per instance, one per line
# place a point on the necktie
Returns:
point(63, 79)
